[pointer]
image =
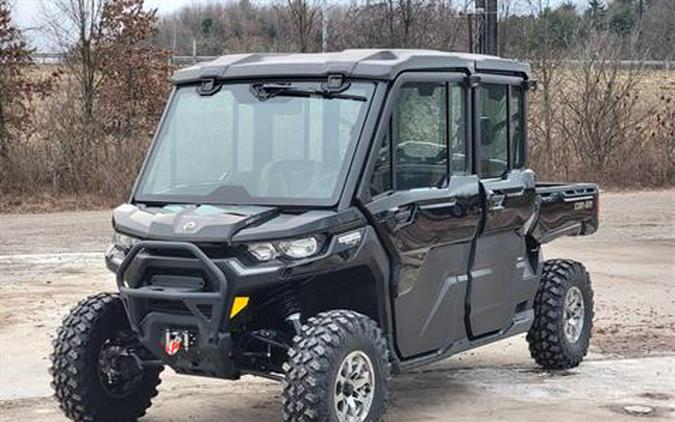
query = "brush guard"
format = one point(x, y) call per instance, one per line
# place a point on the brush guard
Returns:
point(199, 309)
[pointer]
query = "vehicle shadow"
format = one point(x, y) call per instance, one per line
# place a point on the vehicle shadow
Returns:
point(411, 396)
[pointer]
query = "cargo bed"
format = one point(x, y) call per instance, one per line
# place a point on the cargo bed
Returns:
point(566, 210)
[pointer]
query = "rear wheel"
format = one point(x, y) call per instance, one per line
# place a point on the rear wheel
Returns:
point(337, 371)
point(96, 364)
point(563, 315)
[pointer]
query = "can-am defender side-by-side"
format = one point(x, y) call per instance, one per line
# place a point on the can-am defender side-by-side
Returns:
point(330, 220)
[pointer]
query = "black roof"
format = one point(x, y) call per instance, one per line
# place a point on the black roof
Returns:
point(370, 64)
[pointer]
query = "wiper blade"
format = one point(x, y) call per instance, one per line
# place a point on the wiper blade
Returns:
point(265, 91)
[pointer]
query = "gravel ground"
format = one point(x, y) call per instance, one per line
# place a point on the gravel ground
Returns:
point(50, 261)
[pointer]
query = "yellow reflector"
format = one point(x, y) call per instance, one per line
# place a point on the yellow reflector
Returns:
point(239, 304)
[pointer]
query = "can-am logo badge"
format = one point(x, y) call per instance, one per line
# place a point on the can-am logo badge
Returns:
point(189, 226)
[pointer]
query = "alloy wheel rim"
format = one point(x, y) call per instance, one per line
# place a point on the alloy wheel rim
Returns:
point(354, 389)
point(574, 314)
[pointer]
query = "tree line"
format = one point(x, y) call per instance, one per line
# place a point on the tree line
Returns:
point(311, 25)
point(80, 130)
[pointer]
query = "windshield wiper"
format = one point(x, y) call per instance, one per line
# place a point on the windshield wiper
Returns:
point(265, 91)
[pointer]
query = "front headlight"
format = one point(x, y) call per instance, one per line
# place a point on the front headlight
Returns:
point(123, 242)
point(262, 251)
point(291, 249)
point(298, 248)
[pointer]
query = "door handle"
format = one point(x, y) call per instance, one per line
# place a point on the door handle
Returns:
point(405, 215)
point(450, 202)
point(401, 216)
point(510, 191)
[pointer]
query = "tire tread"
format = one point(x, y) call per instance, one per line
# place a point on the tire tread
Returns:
point(546, 337)
point(308, 371)
point(71, 358)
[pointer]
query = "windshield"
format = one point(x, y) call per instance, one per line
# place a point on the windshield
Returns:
point(291, 146)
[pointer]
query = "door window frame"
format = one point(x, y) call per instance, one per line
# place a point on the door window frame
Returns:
point(507, 82)
point(385, 127)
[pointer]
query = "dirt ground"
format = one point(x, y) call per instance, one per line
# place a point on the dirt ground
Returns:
point(50, 261)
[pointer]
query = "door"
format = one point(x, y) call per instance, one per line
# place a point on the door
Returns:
point(508, 193)
point(426, 206)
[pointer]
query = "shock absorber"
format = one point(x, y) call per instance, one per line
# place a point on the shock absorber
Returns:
point(290, 309)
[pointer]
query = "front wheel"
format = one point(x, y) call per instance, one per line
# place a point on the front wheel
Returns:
point(96, 365)
point(337, 371)
point(563, 315)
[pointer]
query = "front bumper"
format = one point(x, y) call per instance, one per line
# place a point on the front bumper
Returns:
point(154, 308)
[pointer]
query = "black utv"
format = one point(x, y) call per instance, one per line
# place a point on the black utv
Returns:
point(330, 220)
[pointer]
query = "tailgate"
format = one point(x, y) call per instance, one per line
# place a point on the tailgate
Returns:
point(566, 210)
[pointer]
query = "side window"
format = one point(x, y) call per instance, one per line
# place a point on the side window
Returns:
point(517, 127)
point(426, 135)
point(419, 136)
point(494, 159)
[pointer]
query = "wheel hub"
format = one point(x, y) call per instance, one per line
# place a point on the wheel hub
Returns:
point(574, 314)
point(119, 370)
point(354, 388)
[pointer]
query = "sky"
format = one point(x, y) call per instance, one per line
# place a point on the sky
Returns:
point(26, 14)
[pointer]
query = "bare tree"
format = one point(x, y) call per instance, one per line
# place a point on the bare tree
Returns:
point(362, 25)
point(600, 105)
point(305, 17)
point(547, 58)
point(75, 27)
point(432, 24)
point(505, 12)
point(409, 12)
point(450, 25)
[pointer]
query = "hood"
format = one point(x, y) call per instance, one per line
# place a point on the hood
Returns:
point(204, 223)
point(209, 223)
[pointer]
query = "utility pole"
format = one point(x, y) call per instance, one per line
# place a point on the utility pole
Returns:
point(486, 11)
